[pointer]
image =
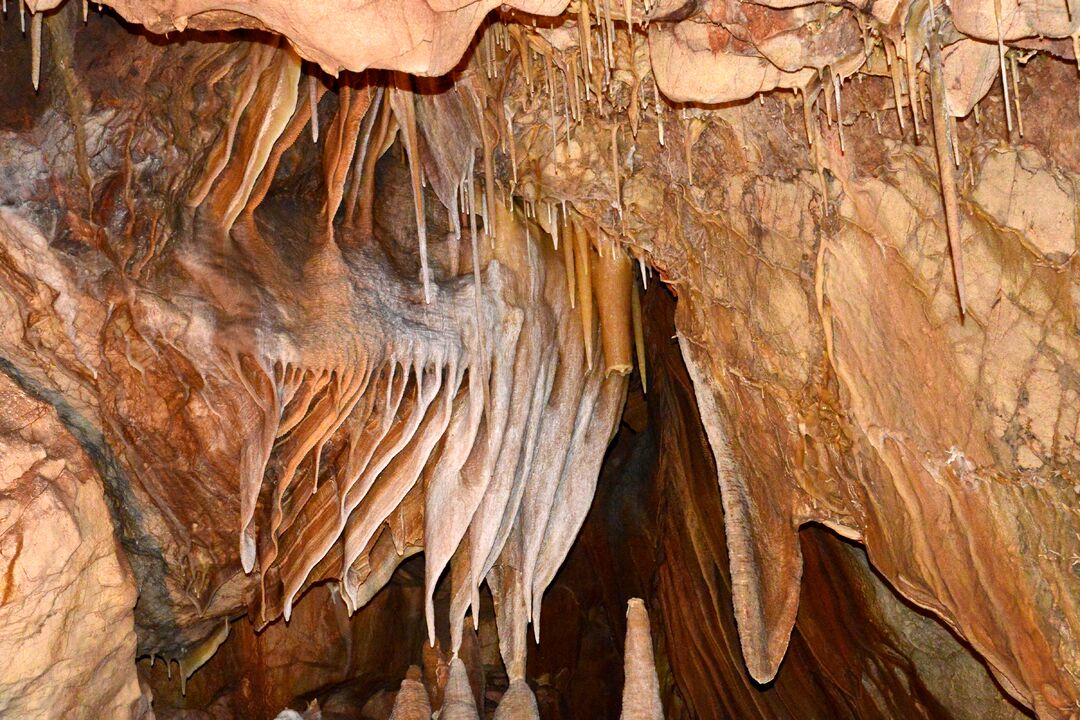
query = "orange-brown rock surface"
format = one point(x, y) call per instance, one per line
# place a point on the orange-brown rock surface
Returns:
point(310, 316)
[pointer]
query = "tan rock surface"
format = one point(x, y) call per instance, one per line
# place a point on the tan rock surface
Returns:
point(67, 637)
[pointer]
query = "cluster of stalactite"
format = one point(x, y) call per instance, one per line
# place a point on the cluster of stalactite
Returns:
point(370, 412)
point(371, 383)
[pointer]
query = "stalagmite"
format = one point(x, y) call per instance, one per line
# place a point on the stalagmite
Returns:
point(1001, 63)
point(518, 703)
point(412, 701)
point(35, 45)
point(946, 171)
point(458, 702)
point(898, 94)
point(613, 280)
point(313, 102)
point(583, 272)
point(641, 691)
point(639, 335)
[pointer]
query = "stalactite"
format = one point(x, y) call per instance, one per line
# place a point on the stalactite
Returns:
point(954, 134)
point(839, 110)
point(259, 58)
point(405, 109)
point(35, 49)
point(288, 137)
point(566, 111)
point(1001, 63)
point(945, 168)
point(551, 113)
point(659, 112)
point(511, 142)
point(609, 40)
point(616, 175)
point(491, 228)
point(341, 141)
point(829, 111)
point(365, 189)
point(313, 102)
point(585, 31)
point(641, 689)
point(808, 117)
point(898, 95)
point(1016, 94)
point(569, 245)
point(639, 335)
point(583, 273)
point(688, 150)
point(914, 96)
point(613, 278)
point(272, 106)
point(478, 289)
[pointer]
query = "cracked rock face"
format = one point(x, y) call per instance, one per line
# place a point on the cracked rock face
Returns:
point(290, 295)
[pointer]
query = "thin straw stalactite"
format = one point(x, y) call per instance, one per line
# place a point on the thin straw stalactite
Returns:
point(946, 172)
point(405, 108)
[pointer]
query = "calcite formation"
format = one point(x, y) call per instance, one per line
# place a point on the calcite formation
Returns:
point(313, 289)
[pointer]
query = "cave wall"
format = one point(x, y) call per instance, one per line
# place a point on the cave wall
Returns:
point(879, 319)
point(67, 594)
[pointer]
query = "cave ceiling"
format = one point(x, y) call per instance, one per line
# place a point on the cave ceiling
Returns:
point(317, 287)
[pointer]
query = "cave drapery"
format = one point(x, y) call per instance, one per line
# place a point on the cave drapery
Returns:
point(325, 316)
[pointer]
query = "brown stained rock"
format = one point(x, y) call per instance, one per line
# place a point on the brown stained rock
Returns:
point(67, 638)
point(243, 383)
point(1022, 192)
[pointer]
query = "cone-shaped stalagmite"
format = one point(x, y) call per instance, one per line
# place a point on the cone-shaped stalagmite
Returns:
point(459, 703)
point(641, 691)
point(412, 700)
point(518, 703)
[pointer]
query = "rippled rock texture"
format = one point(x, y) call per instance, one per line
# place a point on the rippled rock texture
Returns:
point(294, 316)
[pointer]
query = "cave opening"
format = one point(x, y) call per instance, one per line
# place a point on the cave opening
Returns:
point(542, 360)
